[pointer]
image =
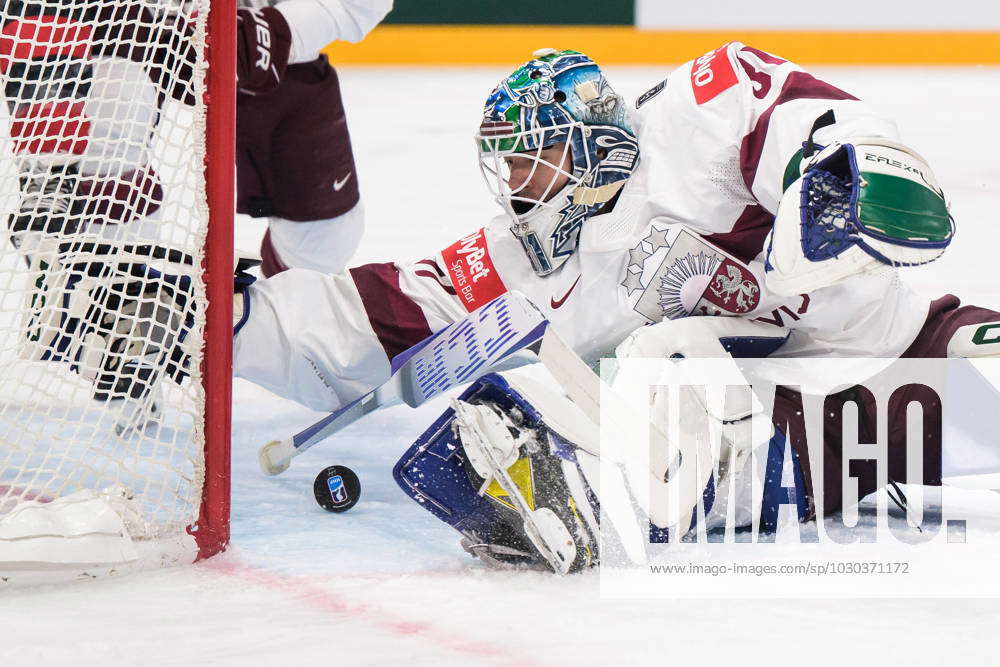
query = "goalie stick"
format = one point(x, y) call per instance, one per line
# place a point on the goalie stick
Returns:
point(489, 339)
point(481, 342)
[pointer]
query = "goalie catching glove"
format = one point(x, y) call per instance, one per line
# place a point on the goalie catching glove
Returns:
point(118, 314)
point(858, 205)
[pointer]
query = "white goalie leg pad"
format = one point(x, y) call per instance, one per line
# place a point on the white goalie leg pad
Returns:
point(734, 420)
point(493, 443)
point(707, 338)
point(740, 474)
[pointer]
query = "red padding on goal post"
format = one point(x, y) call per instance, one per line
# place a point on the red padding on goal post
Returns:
point(42, 36)
point(212, 531)
point(53, 127)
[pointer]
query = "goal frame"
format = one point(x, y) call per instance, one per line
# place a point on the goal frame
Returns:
point(117, 534)
point(212, 530)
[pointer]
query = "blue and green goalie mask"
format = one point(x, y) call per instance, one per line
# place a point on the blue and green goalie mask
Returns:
point(555, 146)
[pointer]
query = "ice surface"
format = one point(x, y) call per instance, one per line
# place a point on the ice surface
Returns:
point(386, 582)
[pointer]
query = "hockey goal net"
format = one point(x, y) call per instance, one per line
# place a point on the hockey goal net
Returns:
point(116, 158)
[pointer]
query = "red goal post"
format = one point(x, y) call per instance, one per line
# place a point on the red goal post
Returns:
point(213, 522)
point(117, 153)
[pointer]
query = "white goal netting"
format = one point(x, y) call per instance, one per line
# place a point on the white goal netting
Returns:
point(103, 222)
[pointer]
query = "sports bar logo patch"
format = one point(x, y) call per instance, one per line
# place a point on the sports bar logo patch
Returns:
point(471, 271)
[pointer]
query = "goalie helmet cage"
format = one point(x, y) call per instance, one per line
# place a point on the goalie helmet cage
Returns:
point(117, 128)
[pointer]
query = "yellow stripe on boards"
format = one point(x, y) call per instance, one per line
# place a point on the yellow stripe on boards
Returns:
point(623, 45)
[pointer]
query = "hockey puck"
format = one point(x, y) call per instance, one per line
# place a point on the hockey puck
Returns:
point(337, 489)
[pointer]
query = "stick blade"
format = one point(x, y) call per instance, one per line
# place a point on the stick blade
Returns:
point(276, 456)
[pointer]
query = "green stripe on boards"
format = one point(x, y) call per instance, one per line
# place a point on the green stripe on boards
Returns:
point(514, 12)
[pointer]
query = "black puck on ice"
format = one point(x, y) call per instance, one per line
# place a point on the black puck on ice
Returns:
point(337, 489)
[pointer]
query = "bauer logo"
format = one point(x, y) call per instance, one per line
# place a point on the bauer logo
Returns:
point(338, 490)
point(263, 31)
point(711, 74)
point(471, 271)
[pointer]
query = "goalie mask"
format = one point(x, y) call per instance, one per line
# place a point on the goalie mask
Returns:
point(555, 146)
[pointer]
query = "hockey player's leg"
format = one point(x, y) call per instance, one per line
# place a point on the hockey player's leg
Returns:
point(78, 231)
point(513, 466)
point(307, 336)
point(505, 467)
point(513, 448)
point(83, 290)
point(680, 395)
point(295, 166)
point(320, 245)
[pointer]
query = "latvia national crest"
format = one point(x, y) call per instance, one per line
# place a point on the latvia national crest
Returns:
point(676, 274)
point(733, 288)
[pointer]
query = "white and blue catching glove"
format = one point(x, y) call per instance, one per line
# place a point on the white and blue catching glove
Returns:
point(859, 205)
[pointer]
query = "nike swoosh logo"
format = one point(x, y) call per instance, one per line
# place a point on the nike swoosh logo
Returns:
point(337, 185)
point(556, 304)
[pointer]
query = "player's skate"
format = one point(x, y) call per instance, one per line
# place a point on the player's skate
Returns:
point(47, 200)
point(140, 327)
point(520, 468)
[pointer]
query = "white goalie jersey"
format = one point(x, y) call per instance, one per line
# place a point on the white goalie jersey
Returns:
point(687, 237)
